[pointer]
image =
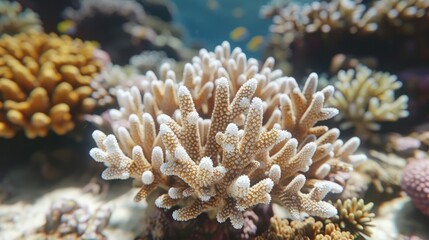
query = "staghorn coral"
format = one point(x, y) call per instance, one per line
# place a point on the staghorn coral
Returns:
point(44, 83)
point(415, 182)
point(366, 98)
point(14, 20)
point(229, 135)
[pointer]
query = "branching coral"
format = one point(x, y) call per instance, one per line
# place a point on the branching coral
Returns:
point(231, 135)
point(309, 229)
point(366, 98)
point(44, 83)
point(354, 216)
point(353, 219)
point(14, 20)
point(313, 33)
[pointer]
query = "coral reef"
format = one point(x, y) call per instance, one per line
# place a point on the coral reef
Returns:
point(353, 220)
point(309, 229)
point(113, 78)
point(130, 30)
point(353, 216)
point(311, 34)
point(13, 19)
point(67, 219)
point(366, 98)
point(229, 135)
point(44, 83)
point(415, 182)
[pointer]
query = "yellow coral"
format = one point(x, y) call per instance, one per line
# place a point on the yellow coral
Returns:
point(44, 83)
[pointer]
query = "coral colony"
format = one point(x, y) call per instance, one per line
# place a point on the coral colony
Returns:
point(219, 145)
point(44, 81)
point(225, 137)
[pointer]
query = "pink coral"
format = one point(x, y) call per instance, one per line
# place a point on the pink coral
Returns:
point(415, 182)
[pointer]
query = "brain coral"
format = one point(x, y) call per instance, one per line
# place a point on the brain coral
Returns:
point(44, 83)
point(415, 182)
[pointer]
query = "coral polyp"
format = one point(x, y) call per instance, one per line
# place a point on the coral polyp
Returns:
point(205, 141)
point(44, 83)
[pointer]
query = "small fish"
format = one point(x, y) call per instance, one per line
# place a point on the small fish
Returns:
point(238, 34)
point(66, 26)
point(237, 12)
point(213, 5)
point(255, 43)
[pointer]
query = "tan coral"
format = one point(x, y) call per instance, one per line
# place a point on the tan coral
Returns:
point(14, 20)
point(354, 216)
point(366, 98)
point(309, 229)
point(213, 150)
point(44, 83)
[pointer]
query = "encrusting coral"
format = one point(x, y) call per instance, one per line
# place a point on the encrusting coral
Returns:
point(366, 98)
point(67, 219)
point(44, 83)
point(415, 182)
point(14, 20)
point(229, 135)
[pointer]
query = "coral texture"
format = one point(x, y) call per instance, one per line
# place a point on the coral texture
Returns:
point(353, 216)
point(309, 229)
point(44, 83)
point(229, 135)
point(353, 219)
point(67, 219)
point(365, 98)
point(415, 182)
point(14, 20)
point(350, 27)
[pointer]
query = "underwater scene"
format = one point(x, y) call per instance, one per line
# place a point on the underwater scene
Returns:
point(214, 119)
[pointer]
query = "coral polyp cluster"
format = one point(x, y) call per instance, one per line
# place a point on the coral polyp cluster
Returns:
point(14, 19)
point(366, 98)
point(227, 136)
point(44, 83)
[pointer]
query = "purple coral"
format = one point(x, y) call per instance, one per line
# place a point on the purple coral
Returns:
point(415, 182)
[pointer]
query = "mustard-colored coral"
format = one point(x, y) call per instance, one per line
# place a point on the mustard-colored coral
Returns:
point(308, 229)
point(13, 19)
point(366, 98)
point(353, 220)
point(44, 83)
point(228, 135)
point(353, 216)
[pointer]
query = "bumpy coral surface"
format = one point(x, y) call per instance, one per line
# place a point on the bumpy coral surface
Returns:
point(366, 98)
point(13, 19)
point(228, 135)
point(415, 182)
point(309, 229)
point(68, 219)
point(310, 34)
point(354, 216)
point(44, 83)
